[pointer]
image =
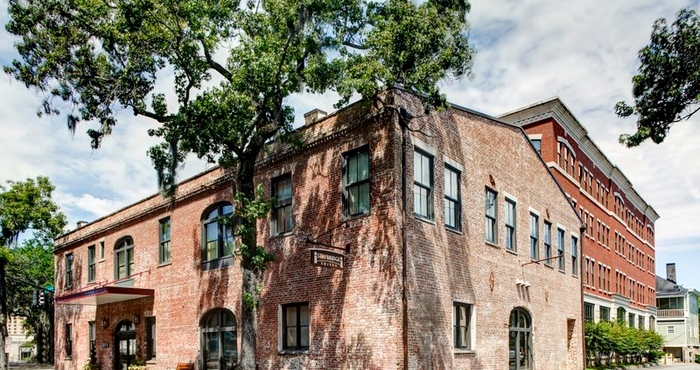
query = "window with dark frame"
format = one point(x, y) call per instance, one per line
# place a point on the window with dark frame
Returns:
point(356, 182)
point(605, 314)
point(164, 229)
point(534, 237)
point(588, 309)
point(510, 225)
point(68, 340)
point(91, 264)
point(69, 271)
point(453, 201)
point(282, 221)
point(461, 325)
point(150, 338)
point(124, 258)
point(561, 262)
point(537, 143)
point(217, 233)
point(295, 325)
point(574, 255)
point(548, 243)
point(490, 202)
point(219, 349)
point(91, 340)
point(102, 250)
point(422, 185)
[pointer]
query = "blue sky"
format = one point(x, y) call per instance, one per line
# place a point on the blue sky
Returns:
point(527, 51)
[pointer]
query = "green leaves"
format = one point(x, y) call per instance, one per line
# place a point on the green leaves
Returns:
point(666, 89)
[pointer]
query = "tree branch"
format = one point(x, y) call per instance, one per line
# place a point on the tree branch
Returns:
point(214, 64)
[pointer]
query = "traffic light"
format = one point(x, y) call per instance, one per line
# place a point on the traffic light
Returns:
point(42, 298)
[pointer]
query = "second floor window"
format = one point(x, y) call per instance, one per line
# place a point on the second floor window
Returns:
point(510, 225)
point(356, 182)
point(453, 203)
point(548, 243)
point(164, 248)
point(534, 237)
point(218, 233)
point(560, 249)
point(282, 210)
point(124, 258)
point(574, 255)
point(422, 185)
point(490, 216)
point(91, 264)
point(69, 271)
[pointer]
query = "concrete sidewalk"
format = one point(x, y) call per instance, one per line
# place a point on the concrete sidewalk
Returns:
point(29, 366)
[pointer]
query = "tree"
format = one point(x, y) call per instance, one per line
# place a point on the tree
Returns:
point(666, 89)
point(26, 206)
point(235, 64)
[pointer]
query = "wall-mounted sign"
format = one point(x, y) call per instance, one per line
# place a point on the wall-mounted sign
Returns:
point(326, 258)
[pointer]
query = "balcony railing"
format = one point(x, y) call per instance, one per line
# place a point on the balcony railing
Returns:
point(671, 313)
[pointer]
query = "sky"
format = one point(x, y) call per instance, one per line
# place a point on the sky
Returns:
point(585, 52)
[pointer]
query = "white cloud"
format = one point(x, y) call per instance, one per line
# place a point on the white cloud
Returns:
point(528, 51)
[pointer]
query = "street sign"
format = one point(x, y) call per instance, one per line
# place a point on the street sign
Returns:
point(325, 258)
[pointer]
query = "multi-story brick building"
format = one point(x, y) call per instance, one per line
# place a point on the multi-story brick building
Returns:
point(439, 242)
point(619, 278)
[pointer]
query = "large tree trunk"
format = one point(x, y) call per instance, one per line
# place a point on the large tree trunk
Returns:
point(244, 184)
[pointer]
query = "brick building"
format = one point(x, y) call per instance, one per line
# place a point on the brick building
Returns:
point(446, 244)
point(619, 278)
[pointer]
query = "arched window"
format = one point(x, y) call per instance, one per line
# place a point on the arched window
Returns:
point(219, 350)
point(520, 340)
point(217, 233)
point(621, 313)
point(124, 257)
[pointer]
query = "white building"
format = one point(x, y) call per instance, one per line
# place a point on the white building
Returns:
point(677, 316)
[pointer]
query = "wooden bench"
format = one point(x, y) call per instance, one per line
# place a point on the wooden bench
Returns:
point(185, 366)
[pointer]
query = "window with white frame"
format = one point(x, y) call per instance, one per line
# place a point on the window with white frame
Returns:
point(510, 225)
point(548, 243)
point(574, 255)
point(491, 216)
point(561, 262)
point(453, 202)
point(671, 329)
point(422, 185)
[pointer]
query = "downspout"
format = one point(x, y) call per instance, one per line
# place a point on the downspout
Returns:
point(582, 228)
point(404, 298)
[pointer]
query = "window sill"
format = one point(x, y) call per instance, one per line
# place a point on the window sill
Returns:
point(152, 361)
point(283, 235)
point(424, 219)
point(550, 266)
point(458, 232)
point(512, 251)
point(218, 263)
point(347, 217)
point(294, 352)
point(562, 271)
point(464, 351)
point(165, 264)
point(491, 244)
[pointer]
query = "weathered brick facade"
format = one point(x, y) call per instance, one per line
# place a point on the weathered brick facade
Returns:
point(619, 253)
point(391, 305)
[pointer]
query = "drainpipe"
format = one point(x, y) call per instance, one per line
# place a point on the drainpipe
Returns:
point(404, 298)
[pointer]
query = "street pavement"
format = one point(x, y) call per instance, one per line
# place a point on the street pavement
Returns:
point(29, 366)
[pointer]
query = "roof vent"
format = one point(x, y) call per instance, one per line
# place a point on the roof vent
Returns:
point(313, 116)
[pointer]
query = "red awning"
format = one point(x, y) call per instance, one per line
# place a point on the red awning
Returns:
point(104, 295)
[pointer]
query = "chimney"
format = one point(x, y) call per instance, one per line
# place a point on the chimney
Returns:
point(671, 272)
point(313, 116)
point(81, 224)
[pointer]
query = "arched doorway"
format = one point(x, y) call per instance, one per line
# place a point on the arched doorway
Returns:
point(520, 340)
point(124, 345)
point(219, 348)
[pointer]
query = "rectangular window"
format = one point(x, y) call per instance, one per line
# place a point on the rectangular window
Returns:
point(491, 216)
point(453, 202)
point(69, 271)
point(561, 262)
point(91, 264)
point(422, 185)
point(164, 232)
point(574, 256)
point(588, 309)
point(462, 313)
point(631, 320)
point(641, 323)
point(356, 182)
point(510, 225)
point(91, 340)
point(295, 324)
point(605, 314)
point(102, 250)
point(282, 210)
point(534, 237)
point(150, 338)
point(537, 143)
point(548, 243)
point(68, 338)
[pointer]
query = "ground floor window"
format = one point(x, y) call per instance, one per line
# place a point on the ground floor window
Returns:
point(219, 350)
point(588, 311)
point(520, 340)
point(295, 325)
point(604, 313)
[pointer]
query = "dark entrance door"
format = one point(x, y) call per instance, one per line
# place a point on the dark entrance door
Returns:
point(124, 345)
